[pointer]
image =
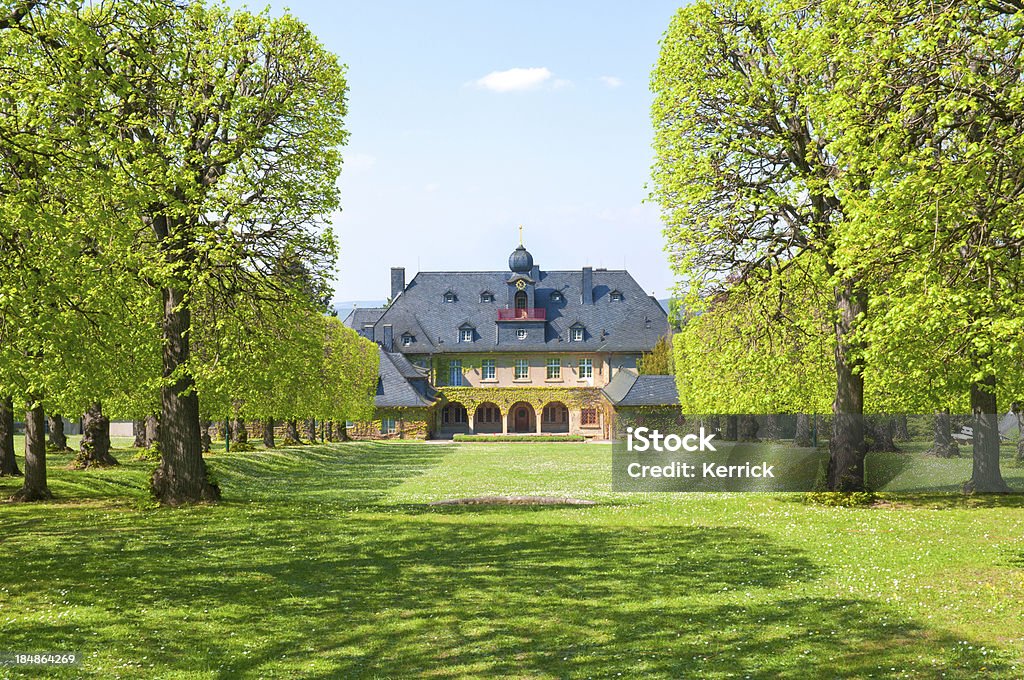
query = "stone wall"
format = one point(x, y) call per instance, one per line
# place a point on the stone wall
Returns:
point(410, 423)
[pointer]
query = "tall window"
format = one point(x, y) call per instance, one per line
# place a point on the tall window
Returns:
point(466, 335)
point(588, 416)
point(522, 369)
point(554, 369)
point(520, 303)
point(455, 372)
point(555, 414)
point(387, 426)
point(488, 414)
point(576, 335)
point(487, 369)
point(453, 414)
point(586, 368)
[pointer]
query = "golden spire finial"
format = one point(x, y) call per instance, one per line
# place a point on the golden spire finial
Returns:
point(520, 234)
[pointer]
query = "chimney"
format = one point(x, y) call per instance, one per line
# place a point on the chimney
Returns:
point(588, 285)
point(389, 338)
point(397, 281)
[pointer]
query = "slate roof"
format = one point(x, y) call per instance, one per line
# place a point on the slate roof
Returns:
point(629, 389)
point(633, 324)
point(395, 384)
point(363, 316)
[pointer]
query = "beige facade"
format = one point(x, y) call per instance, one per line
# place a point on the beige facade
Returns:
point(571, 369)
point(533, 393)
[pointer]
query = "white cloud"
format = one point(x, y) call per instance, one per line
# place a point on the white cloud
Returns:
point(514, 79)
point(611, 81)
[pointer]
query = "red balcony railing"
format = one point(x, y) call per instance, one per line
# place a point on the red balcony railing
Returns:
point(522, 314)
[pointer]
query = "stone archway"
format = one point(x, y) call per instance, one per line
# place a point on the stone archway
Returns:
point(454, 418)
point(554, 417)
point(522, 418)
point(487, 418)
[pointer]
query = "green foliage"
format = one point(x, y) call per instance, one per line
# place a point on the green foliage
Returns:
point(877, 145)
point(206, 165)
point(75, 323)
point(538, 397)
point(839, 499)
point(765, 348)
point(659, 361)
point(936, 230)
point(149, 454)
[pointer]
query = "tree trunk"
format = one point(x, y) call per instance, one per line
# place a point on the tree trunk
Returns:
point(311, 430)
point(181, 476)
point(139, 430)
point(772, 428)
point(8, 462)
point(152, 432)
point(34, 487)
point(1017, 410)
point(747, 429)
point(803, 431)
point(239, 433)
point(880, 430)
point(986, 476)
point(731, 430)
point(329, 428)
point(846, 445)
point(58, 440)
point(291, 435)
point(944, 445)
point(268, 433)
point(902, 432)
point(204, 435)
point(95, 447)
point(343, 431)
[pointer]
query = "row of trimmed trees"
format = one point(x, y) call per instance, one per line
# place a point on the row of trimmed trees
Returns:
point(167, 171)
point(842, 184)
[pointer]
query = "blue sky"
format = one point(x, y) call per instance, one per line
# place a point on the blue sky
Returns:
point(470, 118)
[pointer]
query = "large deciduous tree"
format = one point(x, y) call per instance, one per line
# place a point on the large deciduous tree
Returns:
point(228, 127)
point(932, 105)
point(745, 178)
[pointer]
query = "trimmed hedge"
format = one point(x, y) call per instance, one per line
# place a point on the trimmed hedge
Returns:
point(519, 438)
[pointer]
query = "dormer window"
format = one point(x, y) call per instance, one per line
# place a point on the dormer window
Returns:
point(557, 297)
point(486, 296)
point(576, 334)
point(615, 296)
point(407, 339)
point(450, 297)
point(465, 335)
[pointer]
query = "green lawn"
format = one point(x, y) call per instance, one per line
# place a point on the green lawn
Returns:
point(324, 562)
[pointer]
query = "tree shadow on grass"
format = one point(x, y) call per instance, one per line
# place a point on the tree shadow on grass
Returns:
point(413, 596)
point(355, 473)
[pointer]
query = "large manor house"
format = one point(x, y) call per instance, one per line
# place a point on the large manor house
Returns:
point(522, 351)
